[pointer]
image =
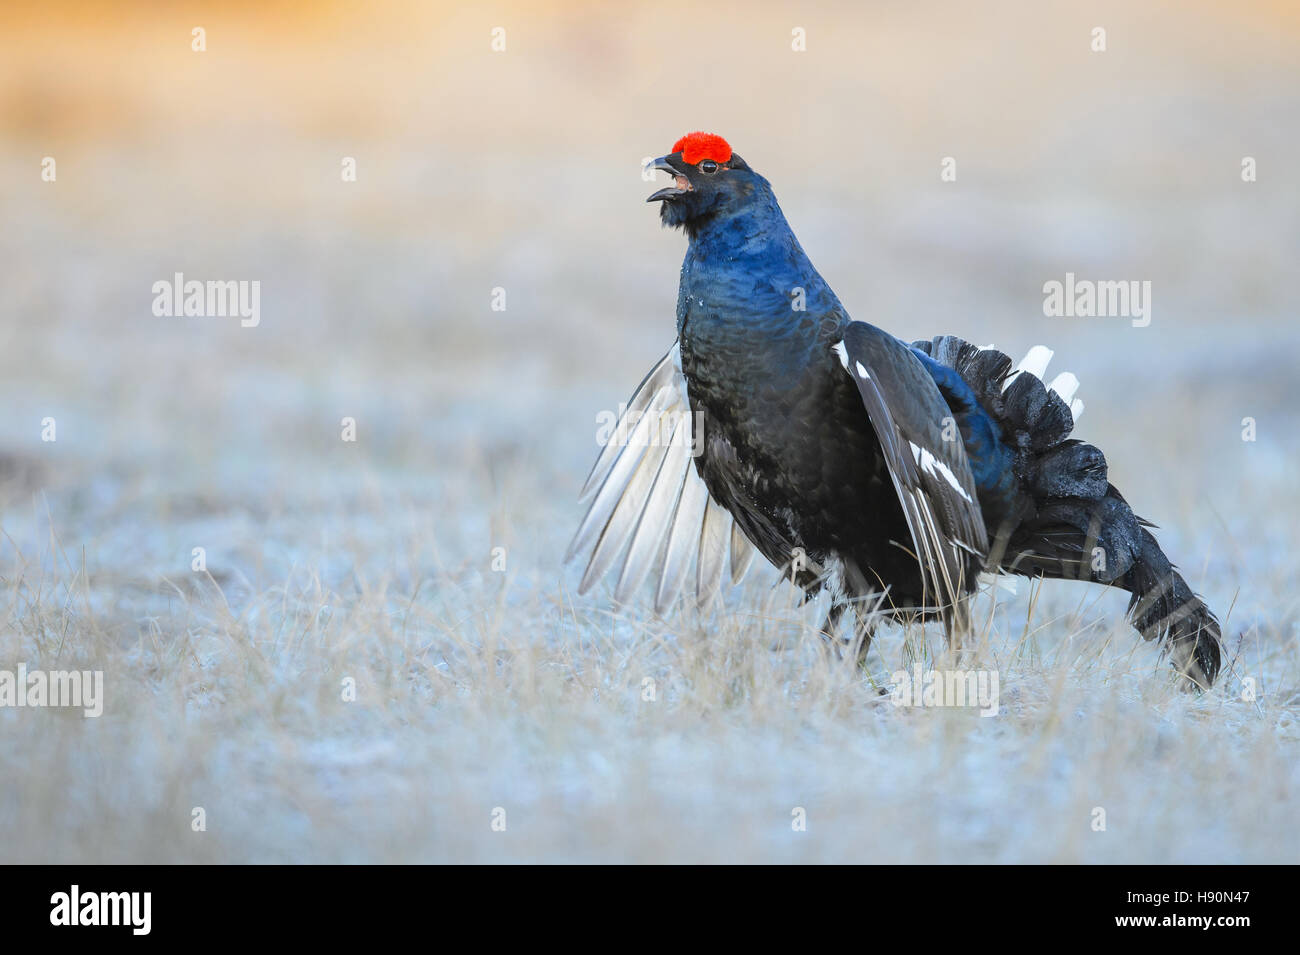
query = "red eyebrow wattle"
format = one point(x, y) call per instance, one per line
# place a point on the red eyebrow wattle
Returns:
point(697, 146)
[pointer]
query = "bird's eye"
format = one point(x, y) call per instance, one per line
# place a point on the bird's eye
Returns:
point(708, 166)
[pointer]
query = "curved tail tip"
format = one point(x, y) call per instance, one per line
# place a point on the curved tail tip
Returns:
point(1195, 651)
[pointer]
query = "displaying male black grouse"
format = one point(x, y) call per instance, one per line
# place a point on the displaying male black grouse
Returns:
point(847, 457)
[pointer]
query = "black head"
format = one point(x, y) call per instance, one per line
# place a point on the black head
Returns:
point(709, 181)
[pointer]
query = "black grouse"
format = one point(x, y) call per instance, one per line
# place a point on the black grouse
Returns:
point(891, 474)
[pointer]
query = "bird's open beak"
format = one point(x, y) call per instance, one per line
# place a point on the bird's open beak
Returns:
point(681, 185)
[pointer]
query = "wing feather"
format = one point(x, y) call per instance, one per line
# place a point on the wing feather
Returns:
point(623, 521)
point(931, 476)
point(714, 534)
point(656, 516)
point(659, 377)
point(649, 504)
point(617, 479)
point(683, 542)
point(742, 554)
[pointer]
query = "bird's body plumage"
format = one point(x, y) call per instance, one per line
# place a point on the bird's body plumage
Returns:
point(848, 457)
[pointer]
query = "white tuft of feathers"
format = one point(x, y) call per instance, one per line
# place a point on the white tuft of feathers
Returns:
point(1035, 363)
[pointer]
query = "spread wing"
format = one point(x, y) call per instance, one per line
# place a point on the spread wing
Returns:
point(931, 475)
point(649, 508)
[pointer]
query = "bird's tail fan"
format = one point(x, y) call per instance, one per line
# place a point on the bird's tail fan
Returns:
point(1054, 513)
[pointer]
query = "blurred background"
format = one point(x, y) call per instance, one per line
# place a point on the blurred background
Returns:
point(519, 169)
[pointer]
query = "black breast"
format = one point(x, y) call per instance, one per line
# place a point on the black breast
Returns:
point(789, 451)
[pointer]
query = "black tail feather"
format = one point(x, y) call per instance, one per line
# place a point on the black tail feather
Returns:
point(1103, 541)
point(1072, 523)
point(1164, 608)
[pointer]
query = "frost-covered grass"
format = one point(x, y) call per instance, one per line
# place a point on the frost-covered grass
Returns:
point(474, 694)
point(366, 568)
